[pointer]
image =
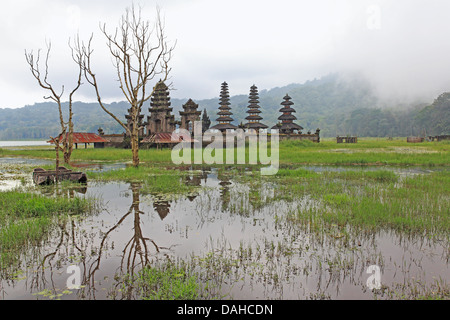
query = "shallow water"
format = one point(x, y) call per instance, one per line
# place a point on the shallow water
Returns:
point(22, 143)
point(402, 171)
point(258, 254)
point(24, 161)
point(12, 176)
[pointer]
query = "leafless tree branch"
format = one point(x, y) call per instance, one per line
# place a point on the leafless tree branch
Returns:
point(140, 52)
point(42, 79)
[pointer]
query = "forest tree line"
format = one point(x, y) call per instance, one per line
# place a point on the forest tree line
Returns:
point(335, 106)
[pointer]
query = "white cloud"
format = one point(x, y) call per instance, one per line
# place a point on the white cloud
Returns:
point(267, 43)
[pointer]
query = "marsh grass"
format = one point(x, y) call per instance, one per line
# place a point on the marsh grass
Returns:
point(26, 217)
point(368, 151)
point(167, 280)
point(419, 205)
point(414, 289)
point(364, 199)
point(153, 180)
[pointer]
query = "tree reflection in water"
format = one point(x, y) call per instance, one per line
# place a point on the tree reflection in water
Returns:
point(73, 241)
point(137, 250)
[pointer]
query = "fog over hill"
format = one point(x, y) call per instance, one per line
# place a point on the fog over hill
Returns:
point(337, 105)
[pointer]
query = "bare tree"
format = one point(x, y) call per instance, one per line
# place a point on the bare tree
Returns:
point(64, 141)
point(140, 53)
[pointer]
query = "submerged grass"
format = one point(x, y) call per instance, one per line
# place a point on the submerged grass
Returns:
point(364, 199)
point(25, 219)
point(152, 179)
point(166, 282)
point(371, 199)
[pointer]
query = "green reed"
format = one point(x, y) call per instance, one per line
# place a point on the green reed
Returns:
point(25, 219)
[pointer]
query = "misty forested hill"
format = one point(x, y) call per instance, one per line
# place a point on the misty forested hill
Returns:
point(437, 115)
point(336, 106)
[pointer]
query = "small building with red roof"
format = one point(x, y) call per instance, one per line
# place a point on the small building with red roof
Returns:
point(86, 138)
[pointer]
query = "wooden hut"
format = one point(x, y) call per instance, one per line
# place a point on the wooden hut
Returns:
point(347, 139)
point(415, 139)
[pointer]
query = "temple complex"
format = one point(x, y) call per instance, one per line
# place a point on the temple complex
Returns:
point(161, 122)
point(253, 110)
point(224, 120)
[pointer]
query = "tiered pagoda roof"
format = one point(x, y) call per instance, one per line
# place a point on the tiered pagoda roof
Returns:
point(190, 108)
point(128, 117)
point(287, 125)
point(160, 99)
point(139, 124)
point(253, 111)
point(161, 118)
point(224, 120)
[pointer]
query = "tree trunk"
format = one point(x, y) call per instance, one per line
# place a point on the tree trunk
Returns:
point(68, 146)
point(57, 162)
point(135, 145)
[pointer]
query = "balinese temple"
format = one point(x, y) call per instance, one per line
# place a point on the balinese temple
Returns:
point(253, 110)
point(161, 119)
point(224, 120)
point(140, 123)
point(287, 125)
point(189, 115)
point(161, 122)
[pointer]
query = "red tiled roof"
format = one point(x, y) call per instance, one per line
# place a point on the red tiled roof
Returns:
point(82, 137)
point(165, 138)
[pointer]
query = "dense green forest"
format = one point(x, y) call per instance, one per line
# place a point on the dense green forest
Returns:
point(336, 106)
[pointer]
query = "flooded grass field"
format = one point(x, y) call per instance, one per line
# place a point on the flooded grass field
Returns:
point(309, 232)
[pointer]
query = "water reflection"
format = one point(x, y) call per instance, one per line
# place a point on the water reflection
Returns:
point(162, 207)
point(239, 228)
point(225, 183)
point(99, 167)
point(195, 179)
point(69, 191)
point(137, 250)
point(94, 250)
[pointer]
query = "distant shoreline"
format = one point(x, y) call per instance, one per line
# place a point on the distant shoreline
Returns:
point(22, 143)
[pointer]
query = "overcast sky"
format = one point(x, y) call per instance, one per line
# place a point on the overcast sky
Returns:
point(402, 46)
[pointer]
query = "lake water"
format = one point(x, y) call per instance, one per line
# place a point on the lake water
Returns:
point(255, 253)
point(22, 143)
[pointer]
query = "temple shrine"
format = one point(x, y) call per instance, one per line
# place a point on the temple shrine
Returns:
point(224, 120)
point(253, 110)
